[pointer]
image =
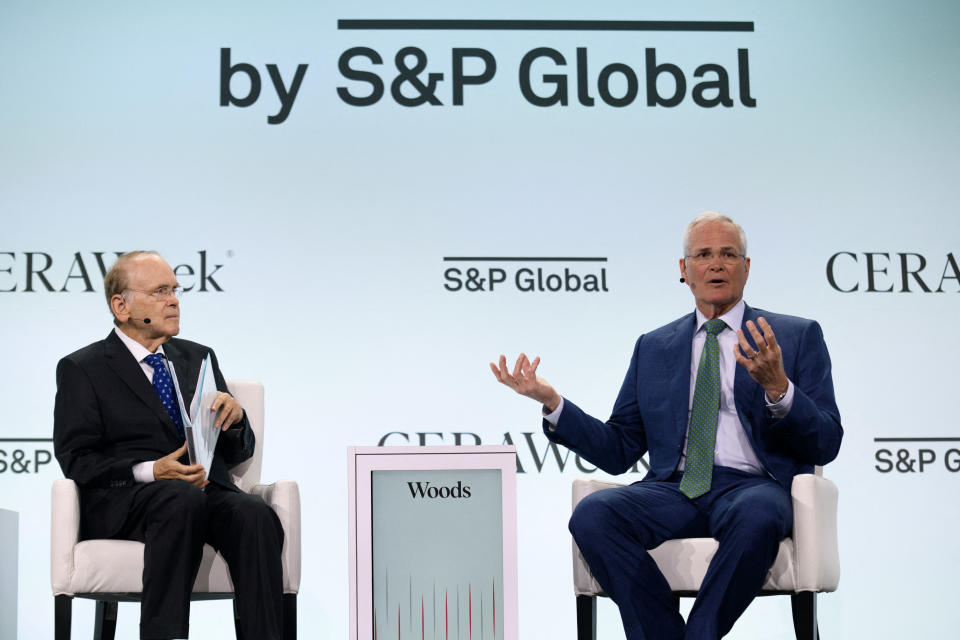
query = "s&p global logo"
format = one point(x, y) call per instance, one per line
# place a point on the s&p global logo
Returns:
point(526, 274)
point(419, 490)
point(414, 70)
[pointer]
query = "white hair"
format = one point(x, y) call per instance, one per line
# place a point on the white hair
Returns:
point(713, 216)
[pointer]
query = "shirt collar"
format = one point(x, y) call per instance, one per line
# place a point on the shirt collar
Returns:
point(138, 350)
point(733, 318)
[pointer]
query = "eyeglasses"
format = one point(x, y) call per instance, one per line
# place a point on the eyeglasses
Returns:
point(727, 258)
point(162, 293)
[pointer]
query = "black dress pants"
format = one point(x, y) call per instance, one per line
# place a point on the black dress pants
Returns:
point(174, 519)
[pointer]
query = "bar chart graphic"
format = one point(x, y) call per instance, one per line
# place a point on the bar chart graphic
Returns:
point(437, 554)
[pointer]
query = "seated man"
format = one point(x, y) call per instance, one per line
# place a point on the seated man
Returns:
point(119, 435)
point(729, 412)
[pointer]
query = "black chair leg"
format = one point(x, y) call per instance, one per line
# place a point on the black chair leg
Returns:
point(289, 616)
point(105, 620)
point(586, 617)
point(804, 607)
point(236, 619)
point(62, 616)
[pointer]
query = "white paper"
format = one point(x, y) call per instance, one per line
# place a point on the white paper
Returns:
point(198, 423)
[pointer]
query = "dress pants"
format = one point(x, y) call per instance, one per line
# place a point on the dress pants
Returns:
point(749, 515)
point(174, 519)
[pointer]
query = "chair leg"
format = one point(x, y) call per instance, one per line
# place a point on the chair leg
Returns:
point(586, 617)
point(289, 616)
point(236, 619)
point(804, 605)
point(105, 620)
point(62, 616)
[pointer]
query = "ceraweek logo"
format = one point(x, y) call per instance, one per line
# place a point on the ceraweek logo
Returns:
point(83, 272)
point(538, 454)
point(426, 490)
point(878, 272)
point(544, 79)
point(540, 275)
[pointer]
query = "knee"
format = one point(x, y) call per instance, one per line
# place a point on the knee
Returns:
point(257, 515)
point(179, 505)
point(762, 526)
point(592, 518)
point(182, 498)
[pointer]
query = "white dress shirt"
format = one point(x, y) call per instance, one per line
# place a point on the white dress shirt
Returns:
point(733, 449)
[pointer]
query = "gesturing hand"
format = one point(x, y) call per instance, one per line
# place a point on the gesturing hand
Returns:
point(524, 380)
point(169, 468)
point(765, 363)
point(230, 410)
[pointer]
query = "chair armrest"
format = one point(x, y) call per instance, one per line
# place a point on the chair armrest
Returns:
point(284, 497)
point(815, 533)
point(64, 533)
point(583, 581)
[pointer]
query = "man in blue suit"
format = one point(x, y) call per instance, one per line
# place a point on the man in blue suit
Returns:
point(723, 445)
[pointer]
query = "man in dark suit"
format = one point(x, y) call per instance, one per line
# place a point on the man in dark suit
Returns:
point(118, 434)
point(729, 412)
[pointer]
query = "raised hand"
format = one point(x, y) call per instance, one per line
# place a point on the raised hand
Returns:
point(765, 363)
point(524, 380)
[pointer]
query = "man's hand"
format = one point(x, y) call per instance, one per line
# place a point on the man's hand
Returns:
point(765, 363)
point(524, 381)
point(230, 410)
point(169, 468)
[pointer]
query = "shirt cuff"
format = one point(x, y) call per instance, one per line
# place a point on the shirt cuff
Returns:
point(553, 417)
point(143, 471)
point(782, 408)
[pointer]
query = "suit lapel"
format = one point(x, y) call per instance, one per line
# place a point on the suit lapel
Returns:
point(679, 350)
point(128, 370)
point(187, 371)
point(744, 387)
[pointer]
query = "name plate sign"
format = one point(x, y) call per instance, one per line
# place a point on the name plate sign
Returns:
point(433, 543)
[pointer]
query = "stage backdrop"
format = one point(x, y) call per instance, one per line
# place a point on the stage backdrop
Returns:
point(352, 204)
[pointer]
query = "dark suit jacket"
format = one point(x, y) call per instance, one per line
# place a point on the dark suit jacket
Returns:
point(107, 417)
point(651, 412)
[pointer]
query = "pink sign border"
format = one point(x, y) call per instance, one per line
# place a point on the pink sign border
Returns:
point(361, 461)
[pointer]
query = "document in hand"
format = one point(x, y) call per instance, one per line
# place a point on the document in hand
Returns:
point(198, 423)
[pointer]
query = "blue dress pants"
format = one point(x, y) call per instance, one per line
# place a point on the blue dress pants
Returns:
point(748, 514)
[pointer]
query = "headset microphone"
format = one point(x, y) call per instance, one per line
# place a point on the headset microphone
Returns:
point(681, 280)
point(143, 320)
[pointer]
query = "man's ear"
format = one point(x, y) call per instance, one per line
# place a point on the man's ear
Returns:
point(683, 269)
point(118, 305)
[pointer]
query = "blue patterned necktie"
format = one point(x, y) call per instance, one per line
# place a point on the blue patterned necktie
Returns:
point(702, 433)
point(163, 385)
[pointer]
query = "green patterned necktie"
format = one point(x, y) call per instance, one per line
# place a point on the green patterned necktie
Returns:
point(702, 434)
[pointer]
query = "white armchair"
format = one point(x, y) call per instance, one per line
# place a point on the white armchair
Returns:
point(111, 571)
point(808, 561)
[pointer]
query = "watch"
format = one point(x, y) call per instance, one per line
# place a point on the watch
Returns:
point(781, 396)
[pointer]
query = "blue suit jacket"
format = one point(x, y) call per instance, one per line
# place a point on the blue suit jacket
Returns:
point(651, 411)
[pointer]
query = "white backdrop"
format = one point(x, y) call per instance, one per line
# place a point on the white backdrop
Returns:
point(332, 228)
